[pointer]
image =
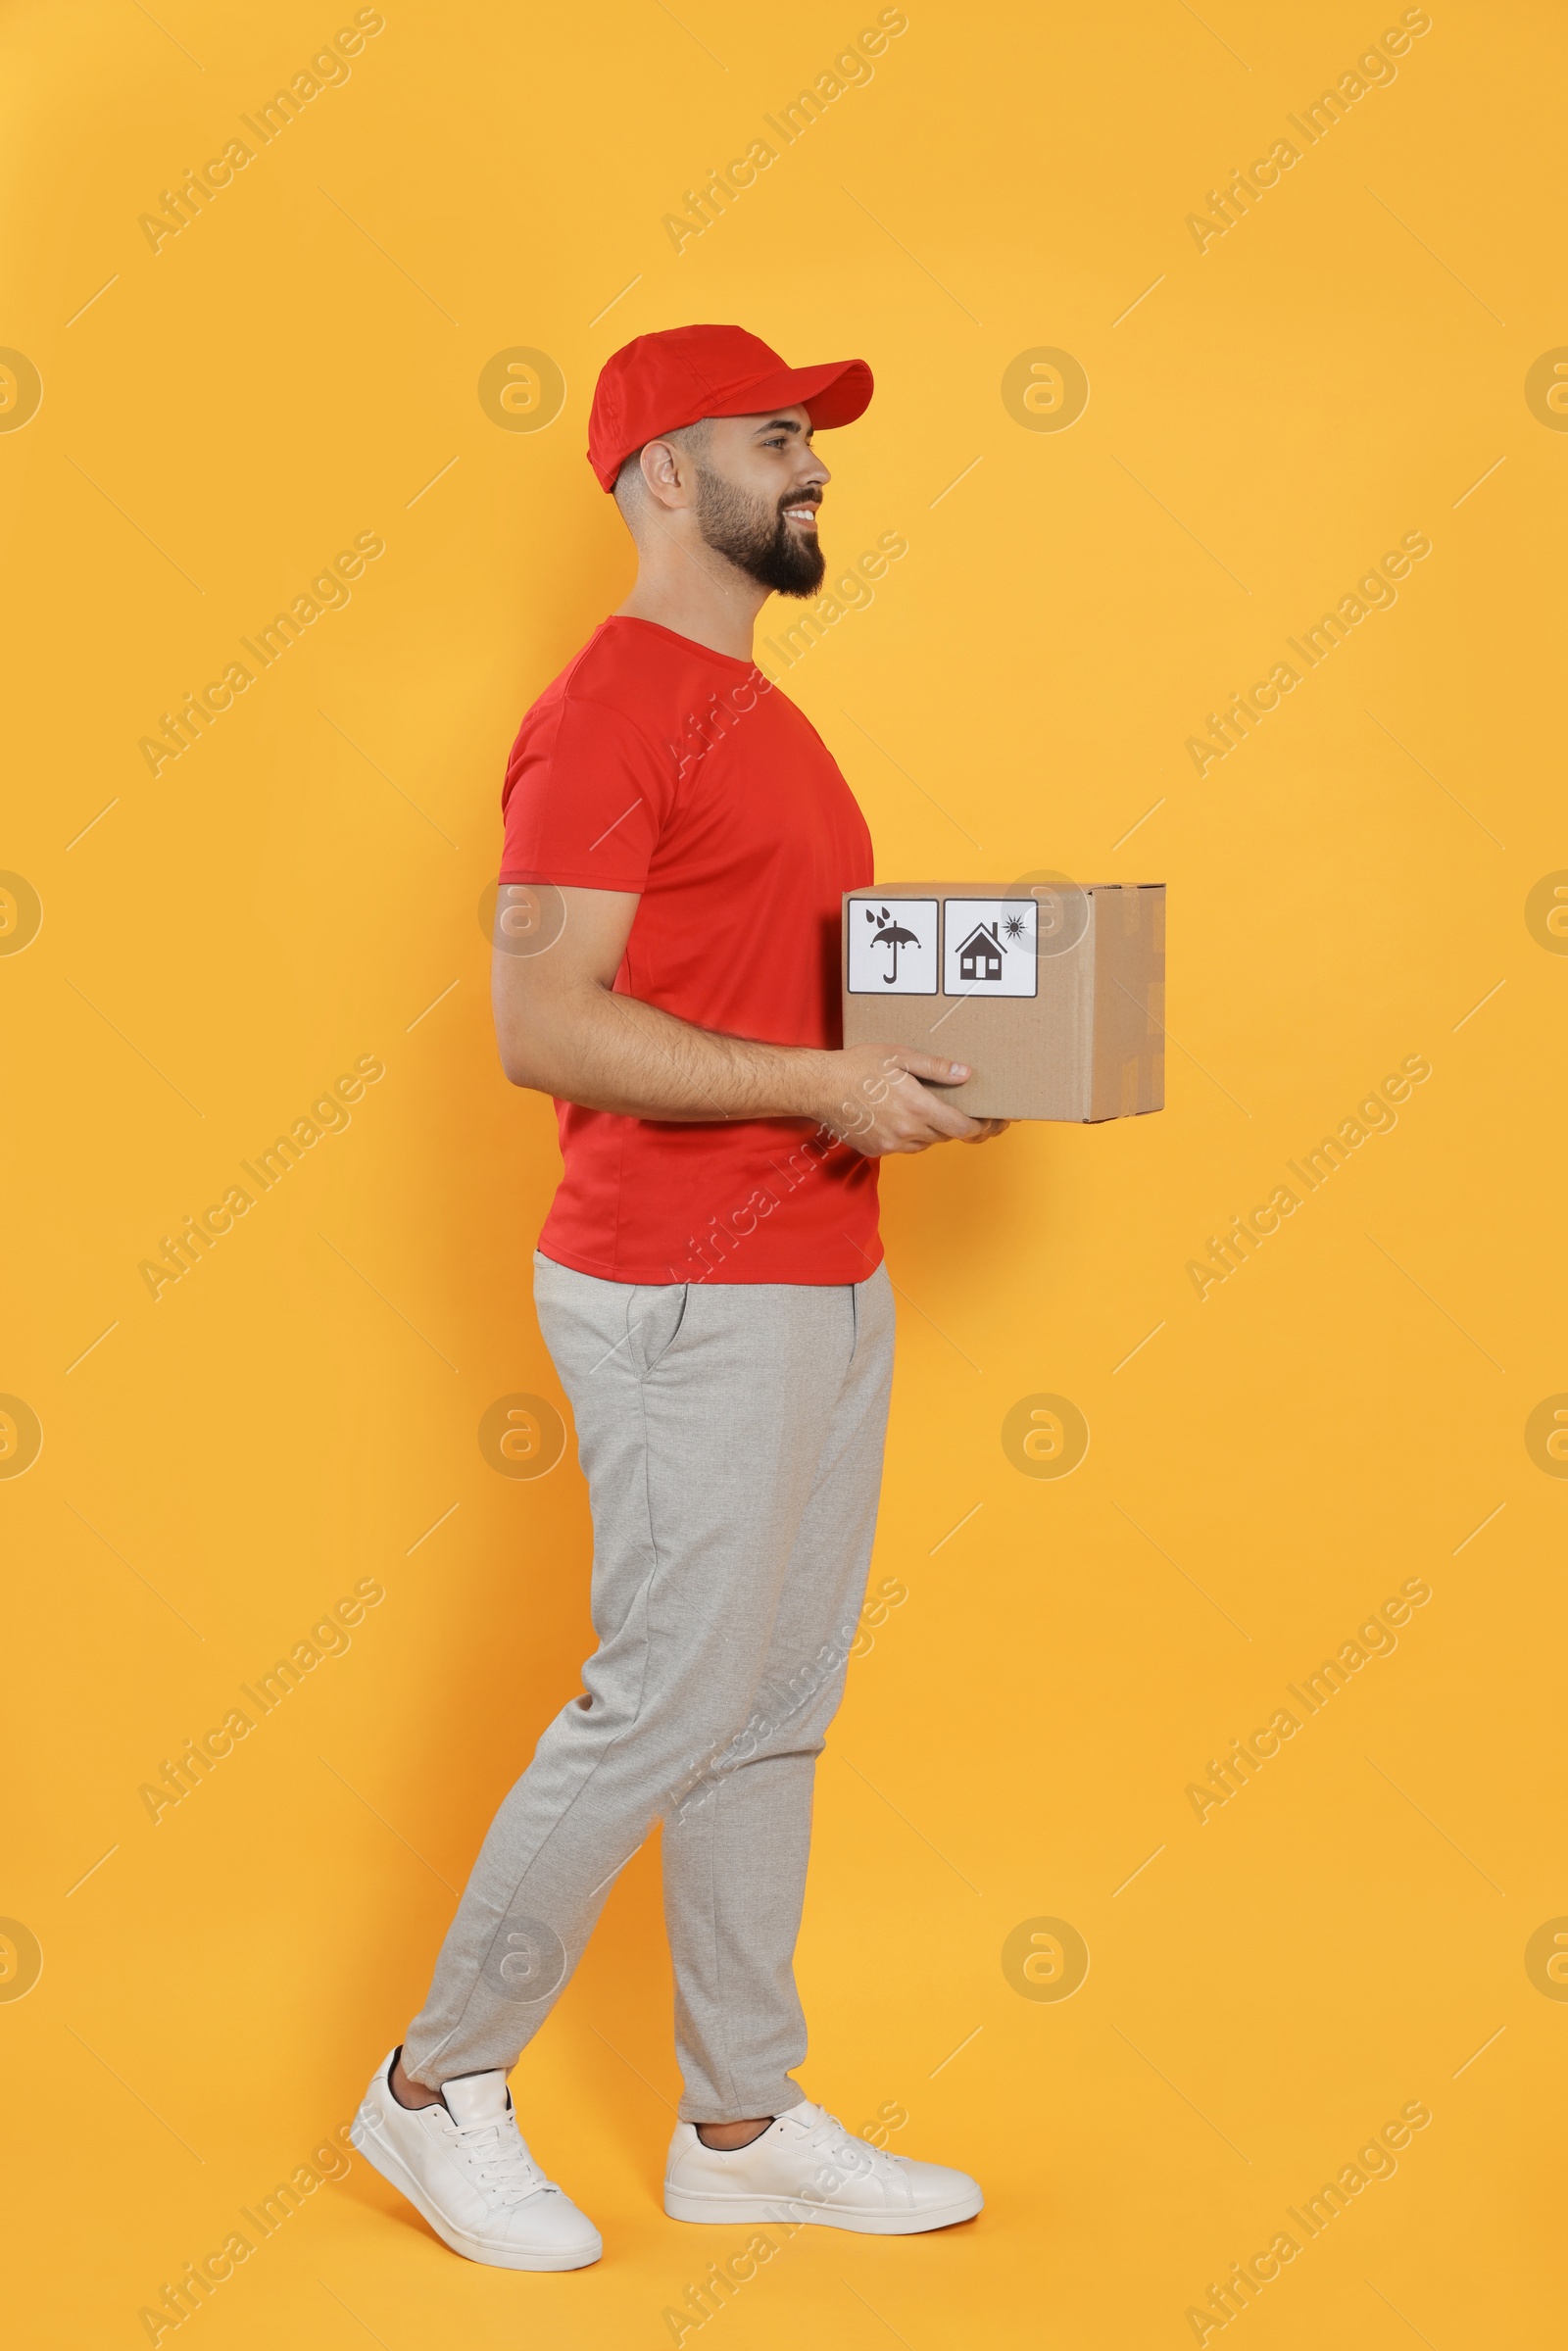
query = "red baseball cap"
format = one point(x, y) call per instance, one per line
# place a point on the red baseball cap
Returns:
point(663, 381)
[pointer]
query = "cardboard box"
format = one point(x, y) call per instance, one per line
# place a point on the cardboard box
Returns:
point(1054, 996)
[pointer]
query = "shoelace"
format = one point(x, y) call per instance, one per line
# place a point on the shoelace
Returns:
point(829, 2137)
point(499, 2161)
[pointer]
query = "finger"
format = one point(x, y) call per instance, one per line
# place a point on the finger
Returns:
point(933, 1068)
point(943, 1123)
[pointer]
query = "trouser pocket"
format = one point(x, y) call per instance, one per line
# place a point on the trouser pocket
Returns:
point(655, 1316)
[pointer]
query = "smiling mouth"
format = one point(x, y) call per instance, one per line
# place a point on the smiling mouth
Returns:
point(804, 513)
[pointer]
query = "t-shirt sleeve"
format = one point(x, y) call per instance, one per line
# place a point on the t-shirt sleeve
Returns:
point(585, 798)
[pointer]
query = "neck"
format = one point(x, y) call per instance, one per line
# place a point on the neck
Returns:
point(697, 593)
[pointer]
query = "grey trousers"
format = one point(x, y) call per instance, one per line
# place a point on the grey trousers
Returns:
point(731, 1434)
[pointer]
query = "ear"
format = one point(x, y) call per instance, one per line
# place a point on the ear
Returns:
point(667, 473)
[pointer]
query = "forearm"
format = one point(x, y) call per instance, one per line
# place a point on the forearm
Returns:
point(613, 1052)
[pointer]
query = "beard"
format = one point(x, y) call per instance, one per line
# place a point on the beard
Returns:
point(758, 538)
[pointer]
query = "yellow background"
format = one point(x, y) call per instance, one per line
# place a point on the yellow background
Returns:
point(1338, 369)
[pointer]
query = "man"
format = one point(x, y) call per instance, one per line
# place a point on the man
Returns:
point(710, 1288)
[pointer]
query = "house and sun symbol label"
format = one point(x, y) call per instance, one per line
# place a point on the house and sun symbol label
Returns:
point(989, 947)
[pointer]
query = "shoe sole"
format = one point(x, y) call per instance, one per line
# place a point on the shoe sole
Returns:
point(387, 2161)
point(684, 2204)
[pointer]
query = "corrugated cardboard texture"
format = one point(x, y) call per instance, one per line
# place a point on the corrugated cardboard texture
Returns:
point(1088, 1045)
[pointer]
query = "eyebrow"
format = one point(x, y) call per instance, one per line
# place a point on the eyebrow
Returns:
point(785, 424)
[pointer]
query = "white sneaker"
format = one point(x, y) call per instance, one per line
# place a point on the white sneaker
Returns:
point(806, 2167)
point(465, 2166)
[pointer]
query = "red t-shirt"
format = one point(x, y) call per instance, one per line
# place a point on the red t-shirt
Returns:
point(657, 766)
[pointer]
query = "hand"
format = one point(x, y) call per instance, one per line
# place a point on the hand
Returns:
point(877, 1098)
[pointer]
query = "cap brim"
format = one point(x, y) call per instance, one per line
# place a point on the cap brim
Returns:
point(834, 394)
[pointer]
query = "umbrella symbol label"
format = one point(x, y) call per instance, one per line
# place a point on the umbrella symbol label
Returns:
point(893, 946)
